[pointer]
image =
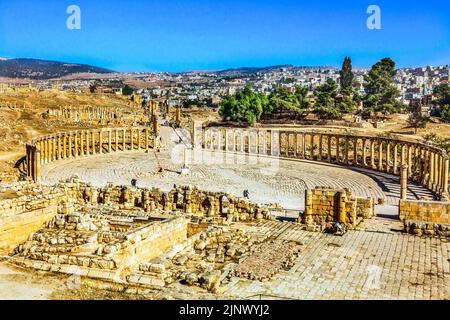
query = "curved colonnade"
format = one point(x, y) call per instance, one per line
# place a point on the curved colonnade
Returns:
point(426, 165)
point(80, 143)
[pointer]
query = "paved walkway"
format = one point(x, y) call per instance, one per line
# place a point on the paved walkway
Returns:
point(373, 263)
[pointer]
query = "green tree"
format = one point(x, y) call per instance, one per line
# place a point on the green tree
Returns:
point(281, 99)
point(326, 106)
point(381, 93)
point(442, 93)
point(347, 77)
point(127, 90)
point(417, 119)
point(247, 106)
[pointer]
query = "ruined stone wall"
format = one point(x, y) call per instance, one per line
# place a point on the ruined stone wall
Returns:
point(426, 211)
point(189, 200)
point(24, 212)
point(324, 205)
point(156, 239)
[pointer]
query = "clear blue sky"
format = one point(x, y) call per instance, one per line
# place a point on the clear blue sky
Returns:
point(178, 35)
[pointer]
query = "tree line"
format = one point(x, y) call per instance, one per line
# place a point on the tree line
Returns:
point(331, 100)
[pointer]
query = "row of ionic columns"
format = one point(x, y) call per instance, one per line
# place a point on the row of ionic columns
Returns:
point(82, 143)
point(425, 165)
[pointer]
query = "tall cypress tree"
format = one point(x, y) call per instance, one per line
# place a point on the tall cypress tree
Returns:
point(347, 77)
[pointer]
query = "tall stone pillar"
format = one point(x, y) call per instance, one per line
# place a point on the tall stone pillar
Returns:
point(58, 148)
point(380, 156)
point(395, 159)
point(124, 140)
point(77, 151)
point(81, 143)
point(388, 156)
point(109, 141)
point(65, 151)
point(70, 145)
point(320, 146)
point(355, 151)
point(342, 210)
point(445, 194)
point(303, 145)
point(432, 171)
point(99, 141)
point(116, 139)
point(410, 167)
point(372, 154)
point(364, 152)
point(329, 153)
point(426, 174)
point(226, 140)
point(269, 142)
point(404, 182)
point(147, 138)
point(131, 139)
point(347, 150)
point(139, 130)
point(338, 149)
point(37, 164)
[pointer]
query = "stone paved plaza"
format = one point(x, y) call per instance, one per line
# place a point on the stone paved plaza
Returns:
point(268, 179)
point(373, 262)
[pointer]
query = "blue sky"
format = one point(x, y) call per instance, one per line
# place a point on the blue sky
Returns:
point(179, 35)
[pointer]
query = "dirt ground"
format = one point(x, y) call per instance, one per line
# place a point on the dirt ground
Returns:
point(20, 284)
point(21, 119)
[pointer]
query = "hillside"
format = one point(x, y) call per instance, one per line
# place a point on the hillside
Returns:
point(42, 69)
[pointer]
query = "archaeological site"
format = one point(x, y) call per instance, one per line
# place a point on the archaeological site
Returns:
point(149, 202)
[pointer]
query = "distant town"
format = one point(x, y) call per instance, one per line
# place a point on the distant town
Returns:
point(207, 88)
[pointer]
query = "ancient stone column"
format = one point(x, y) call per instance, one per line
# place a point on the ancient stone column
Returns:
point(82, 137)
point(445, 194)
point(380, 155)
point(139, 139)
point(54, 151)
point(347, 150)
point(37, 165)
point(124, 139)
point(372, 154)
point(404, 182)
point(329, 153)
point(342, 216)
point(69, 154)
point(269, 142)
point(338, 149)
point(219, 138)
point(303, 145)
point(76, 144)
point(425, 167)
point(131, 139)
point(99, 141)
point(355, 151)
point(320, 147)
point(58, 148)
point(364, 152)
point(65, 151)
point(410, 160)
point(432, 171)
point(308, 208)
point(109, 141)
point(395, 169)
point(116, 138)
point(388, 157)
point(147, 138)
